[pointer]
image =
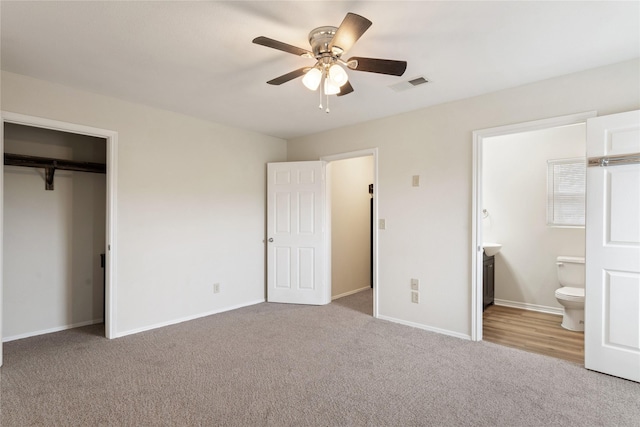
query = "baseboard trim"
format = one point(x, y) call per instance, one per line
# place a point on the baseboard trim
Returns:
point(530, 307)
point(426, 328)
point(51, 330)
point(186, 319)
point(346, 294)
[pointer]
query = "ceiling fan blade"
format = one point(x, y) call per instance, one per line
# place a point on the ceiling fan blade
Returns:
point(345, 89)
point(289, 76)
point(275, 44)
point(352, 28)
point(381, 66)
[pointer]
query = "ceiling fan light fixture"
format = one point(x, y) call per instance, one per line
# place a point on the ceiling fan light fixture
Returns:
point(330, 88)
point(312, 79)
point(328, 44)
point(338, 75)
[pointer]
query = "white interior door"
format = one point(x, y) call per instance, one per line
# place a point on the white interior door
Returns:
point(297, 246)
point(612, 295)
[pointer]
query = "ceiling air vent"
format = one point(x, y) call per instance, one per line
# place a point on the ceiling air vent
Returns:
point(409, 84)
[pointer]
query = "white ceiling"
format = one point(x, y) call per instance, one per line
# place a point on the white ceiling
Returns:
point(197, 57)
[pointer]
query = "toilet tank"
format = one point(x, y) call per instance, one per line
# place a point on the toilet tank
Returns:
point(571, 271)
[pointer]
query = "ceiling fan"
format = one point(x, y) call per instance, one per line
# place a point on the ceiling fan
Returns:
point(328, 44)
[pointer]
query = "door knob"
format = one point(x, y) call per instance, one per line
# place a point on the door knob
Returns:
point(270, 239)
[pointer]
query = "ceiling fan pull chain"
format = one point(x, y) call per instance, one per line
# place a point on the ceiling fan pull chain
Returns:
point(321, 87)
point(327, 110)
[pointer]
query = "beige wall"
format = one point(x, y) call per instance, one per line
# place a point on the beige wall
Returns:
point(515, 195)
point(191, 193)
point(428, 228)
point(350, 225)
point(191, 203)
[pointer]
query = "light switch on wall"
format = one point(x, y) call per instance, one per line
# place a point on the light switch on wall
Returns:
point(382, 224)
point(416, 180)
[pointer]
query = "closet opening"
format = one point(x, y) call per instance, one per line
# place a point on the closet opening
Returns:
point(54, 240)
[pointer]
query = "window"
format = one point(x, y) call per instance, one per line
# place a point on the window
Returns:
point(566, 192)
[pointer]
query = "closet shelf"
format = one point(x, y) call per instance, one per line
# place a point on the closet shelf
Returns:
point(50, 165)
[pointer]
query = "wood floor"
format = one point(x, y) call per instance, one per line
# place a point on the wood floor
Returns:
point(532, 331)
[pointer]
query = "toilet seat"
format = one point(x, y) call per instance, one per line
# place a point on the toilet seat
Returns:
point(570, 294)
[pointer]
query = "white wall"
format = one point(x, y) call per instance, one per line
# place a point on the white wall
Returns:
point(350, 225)
point(428, 228)
point(191, 203)
point(515, 196)
point(53, 239)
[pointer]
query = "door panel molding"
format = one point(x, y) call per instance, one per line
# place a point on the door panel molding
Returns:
point(612, 294)
point(297, 250)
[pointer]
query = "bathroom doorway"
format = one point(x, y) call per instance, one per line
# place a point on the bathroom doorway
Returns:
point(510, 181)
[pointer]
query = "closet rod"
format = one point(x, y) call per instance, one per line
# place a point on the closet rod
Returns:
point(50, 165)
point(44, 162)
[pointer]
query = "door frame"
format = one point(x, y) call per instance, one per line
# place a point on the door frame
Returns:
point(111, 138)
point(353, 155)
point(476, 203)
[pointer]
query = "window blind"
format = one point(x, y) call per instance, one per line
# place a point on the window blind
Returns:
point(566, 180)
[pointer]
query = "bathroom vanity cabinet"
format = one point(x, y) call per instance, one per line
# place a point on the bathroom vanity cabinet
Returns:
point(488, 274)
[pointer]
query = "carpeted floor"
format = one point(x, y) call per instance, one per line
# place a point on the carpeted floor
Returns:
point(291, 365)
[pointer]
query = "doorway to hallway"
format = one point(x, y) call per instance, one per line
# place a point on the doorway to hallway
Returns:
point(352, 212)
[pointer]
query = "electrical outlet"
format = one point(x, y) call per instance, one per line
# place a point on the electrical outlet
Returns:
point(415, 297)
point(415, 284)
point(216, 288)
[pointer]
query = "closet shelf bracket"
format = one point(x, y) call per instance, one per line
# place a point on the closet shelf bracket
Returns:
point(50, 165)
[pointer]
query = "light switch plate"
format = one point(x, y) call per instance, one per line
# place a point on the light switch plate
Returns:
point(416, 180)
point(382, 225)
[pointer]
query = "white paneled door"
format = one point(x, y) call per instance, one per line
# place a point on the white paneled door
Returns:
point(612, 295)
point(297, 244)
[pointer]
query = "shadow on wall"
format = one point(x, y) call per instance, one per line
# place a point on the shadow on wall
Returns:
point(509, 279)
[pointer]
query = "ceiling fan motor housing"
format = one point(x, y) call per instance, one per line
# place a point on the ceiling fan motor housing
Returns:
point(320, 38)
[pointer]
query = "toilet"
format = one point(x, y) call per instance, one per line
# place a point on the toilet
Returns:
point(571, 295)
